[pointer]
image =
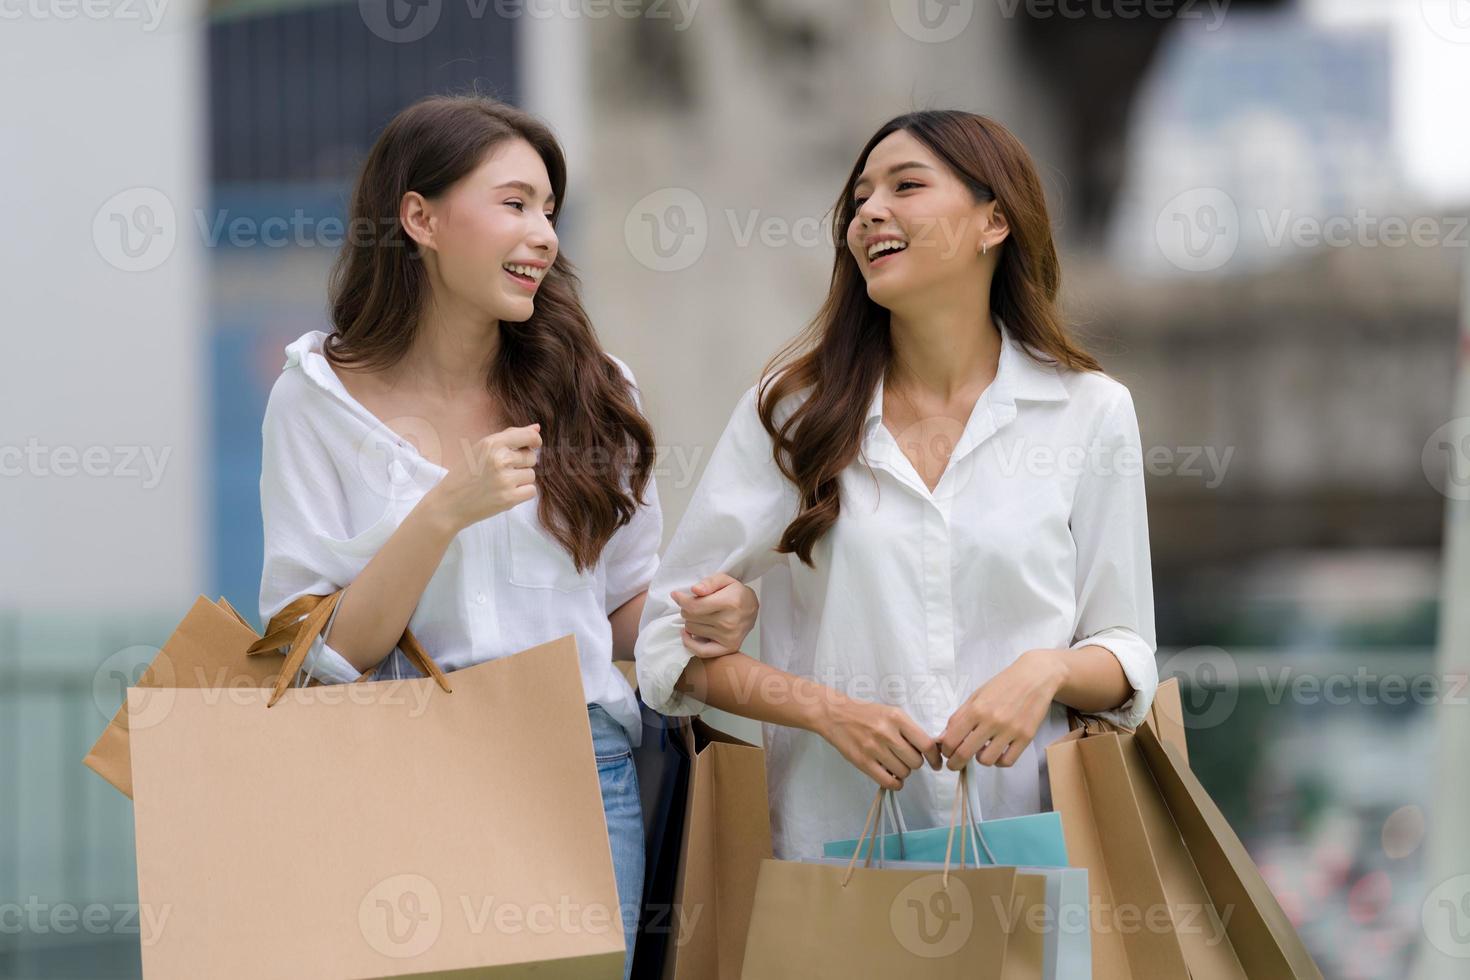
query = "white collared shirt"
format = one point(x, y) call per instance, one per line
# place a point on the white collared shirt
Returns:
point(335, 482)
point(919, 597)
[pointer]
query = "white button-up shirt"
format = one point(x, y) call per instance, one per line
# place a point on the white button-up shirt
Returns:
point(335, 482)
point(1035, 536)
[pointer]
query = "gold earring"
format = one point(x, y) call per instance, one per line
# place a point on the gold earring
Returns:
point(984, 247)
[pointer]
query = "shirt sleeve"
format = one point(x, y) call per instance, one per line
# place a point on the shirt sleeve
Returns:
point(302, 504)
point(631, 555)
point(1115, 601)
point(734, 521)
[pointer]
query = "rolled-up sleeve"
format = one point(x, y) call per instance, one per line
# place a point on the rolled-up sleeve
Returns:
point(734, 521)
point(302, 503)
point(1115, 601)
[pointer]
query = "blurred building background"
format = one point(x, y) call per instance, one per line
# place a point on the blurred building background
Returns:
point(1261, 210)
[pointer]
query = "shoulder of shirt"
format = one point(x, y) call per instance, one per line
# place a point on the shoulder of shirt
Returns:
point(291, 391)
point(1094, 391)
point(623, 367)
point(294, 395)
point(628, 373)
point(748, 407)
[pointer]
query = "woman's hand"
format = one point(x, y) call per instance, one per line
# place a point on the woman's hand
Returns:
point(719, 613)
point(498, 473)
point(1000, 719)
point(880, 739)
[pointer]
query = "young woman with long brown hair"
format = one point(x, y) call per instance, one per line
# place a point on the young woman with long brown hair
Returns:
point(460, 454)
point(943, 495)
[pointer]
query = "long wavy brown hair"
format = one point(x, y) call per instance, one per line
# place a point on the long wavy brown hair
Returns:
point(597, 448)
point(847, 348)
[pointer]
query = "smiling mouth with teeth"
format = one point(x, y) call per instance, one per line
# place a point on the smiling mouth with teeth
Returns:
point(885, 247)
point(528, 273)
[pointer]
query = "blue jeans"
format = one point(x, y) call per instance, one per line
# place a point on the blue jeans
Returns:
point(624, 810)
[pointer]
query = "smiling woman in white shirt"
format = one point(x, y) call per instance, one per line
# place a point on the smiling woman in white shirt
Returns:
point(943, 497)
point(461, 455)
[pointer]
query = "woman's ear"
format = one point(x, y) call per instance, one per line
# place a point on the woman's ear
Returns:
point(994, 228)
point(417, 221)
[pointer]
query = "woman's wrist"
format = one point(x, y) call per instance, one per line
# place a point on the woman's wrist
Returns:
point(819, 708)
point(434, 510)
point(1055, 665)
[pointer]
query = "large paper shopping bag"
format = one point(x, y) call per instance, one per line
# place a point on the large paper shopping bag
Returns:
point(214, 647)
point(1173, 891)
point(380, 829)
point(727, 834)
point(883, 922)
point(206, 649)
point(708, 824)
point(829, 919)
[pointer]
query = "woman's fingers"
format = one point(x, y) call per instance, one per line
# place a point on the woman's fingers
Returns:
point(711, 583)
point(968, 746)
point(926, 747)
point(882, 776)
point(713, 617)
point(1004, 755)
point(889, 759)
point(696, 606)
point(703, 646)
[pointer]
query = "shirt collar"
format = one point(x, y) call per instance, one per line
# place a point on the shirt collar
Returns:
point(306, 351)
point(1018, 377)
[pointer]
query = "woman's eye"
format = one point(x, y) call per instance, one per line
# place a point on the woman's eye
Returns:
point(858, 202)
point(518, 205)
point(908, 183)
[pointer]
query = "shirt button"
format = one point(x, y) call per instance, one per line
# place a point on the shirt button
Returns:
point(480, 598)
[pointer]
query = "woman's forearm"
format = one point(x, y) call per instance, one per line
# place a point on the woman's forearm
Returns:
point(742, 685)
point(376, 608)
point(624, 620)
point(1092, 679)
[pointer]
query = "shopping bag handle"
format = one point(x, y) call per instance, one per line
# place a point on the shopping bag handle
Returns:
point(1092, 724)
point(302, 621)
point(967, 822)
point(959, 815)
point(876, 810)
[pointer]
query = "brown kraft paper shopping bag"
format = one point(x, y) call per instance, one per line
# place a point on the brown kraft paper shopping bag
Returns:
point(819, 920)
point(384, 829)
point(727, 834)
point(1172, 891)
point(206, 649)
point(214, 647)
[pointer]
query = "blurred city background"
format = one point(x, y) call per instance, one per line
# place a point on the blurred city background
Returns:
point(1261, 208)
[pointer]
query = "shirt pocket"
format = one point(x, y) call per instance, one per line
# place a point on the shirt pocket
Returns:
point(371, 539)
point(536, 560)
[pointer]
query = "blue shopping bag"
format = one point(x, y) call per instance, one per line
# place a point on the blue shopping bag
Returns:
point(1034, 839)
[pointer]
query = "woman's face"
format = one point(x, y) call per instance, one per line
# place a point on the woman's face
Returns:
point(492, 238)
point(917, 231)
